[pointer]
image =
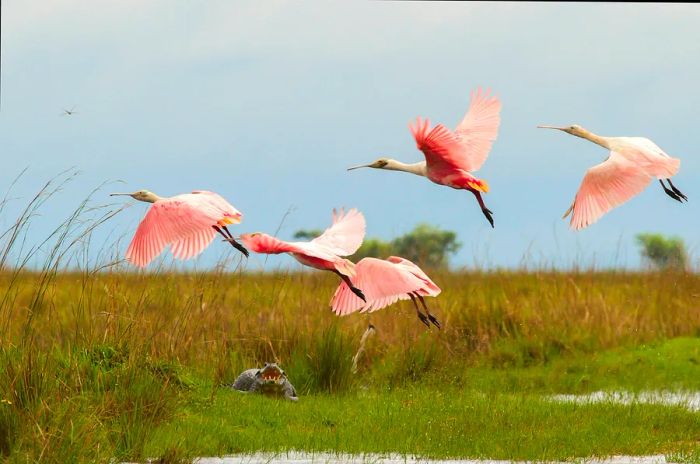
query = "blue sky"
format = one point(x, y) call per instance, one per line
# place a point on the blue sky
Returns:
point(267, 103)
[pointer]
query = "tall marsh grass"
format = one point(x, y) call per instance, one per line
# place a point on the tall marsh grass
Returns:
point(95, 355)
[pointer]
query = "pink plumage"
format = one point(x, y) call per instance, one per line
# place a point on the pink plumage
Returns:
point(452, 156)
point(185, 222)
point(632, 164)
point(325, 252)
point(384, 282)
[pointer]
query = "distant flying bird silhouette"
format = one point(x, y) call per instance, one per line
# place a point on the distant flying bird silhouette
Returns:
point(69, 112)
point(325, 252)
point(187, 222)
point(451, 157)
point(632, 164)
point(384, 282)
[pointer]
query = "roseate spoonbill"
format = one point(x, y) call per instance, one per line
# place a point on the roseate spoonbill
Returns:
point(384, 282)
point(451, 157)
point(632, 164)
point(187, 222)
point(69, 112)
point(342, 238)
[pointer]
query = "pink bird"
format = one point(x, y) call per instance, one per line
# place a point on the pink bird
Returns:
point(451, 157)
point(187, 222)
point(342, 238)
point(632, 164)
point(384, 282)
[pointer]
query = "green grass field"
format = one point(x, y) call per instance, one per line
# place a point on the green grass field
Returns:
point(132, 366)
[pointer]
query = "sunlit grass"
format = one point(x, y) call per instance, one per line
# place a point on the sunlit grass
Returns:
point(101, 362)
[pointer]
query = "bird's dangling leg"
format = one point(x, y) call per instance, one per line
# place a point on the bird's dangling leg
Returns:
point(229, 238)
point(678, 192)
point(421, 316)
point(432, 318)
point(669, 192)
point(487, 212)
point(233, 242)
point(354, 289)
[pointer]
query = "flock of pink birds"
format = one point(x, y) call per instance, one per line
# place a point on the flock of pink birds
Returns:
point(188, 223)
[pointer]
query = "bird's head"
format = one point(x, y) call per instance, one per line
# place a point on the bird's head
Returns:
point(381, 163)
point(573, 130)
point(141, 195)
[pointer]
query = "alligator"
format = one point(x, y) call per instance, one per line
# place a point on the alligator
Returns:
point(270, 380)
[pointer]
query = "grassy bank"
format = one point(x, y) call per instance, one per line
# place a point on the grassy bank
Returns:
point(131, 365)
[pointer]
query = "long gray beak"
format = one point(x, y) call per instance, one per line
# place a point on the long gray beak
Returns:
point(550, 127)
point(116, 194)
point(361, 166)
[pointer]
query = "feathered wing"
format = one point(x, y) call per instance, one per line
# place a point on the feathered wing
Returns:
point(346, 233)
point(606, 186)
point(219, 201)
point(429, 288)
point(479, 128)
point(440, 146)
point(382, 282)
point(186, 224)
point(468, 146)
point(193, 245)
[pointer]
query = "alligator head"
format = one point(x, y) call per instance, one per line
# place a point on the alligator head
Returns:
point(271, 379)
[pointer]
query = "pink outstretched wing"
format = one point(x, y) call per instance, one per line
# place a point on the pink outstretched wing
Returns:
point(467, 148)
point(219, 201)
point(346, 233)
point(193, 245)
point(479, 128)
point(606, 186)
point(439, 145)
point(429, 288)
point(382, 282)
point(181, 220)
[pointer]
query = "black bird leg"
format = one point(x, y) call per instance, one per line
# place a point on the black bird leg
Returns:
point(354, 289)
point(229, 238)
point(421, 316)
point(678, 192)
point(669, 192)
point(487, 212)
point(432, 318)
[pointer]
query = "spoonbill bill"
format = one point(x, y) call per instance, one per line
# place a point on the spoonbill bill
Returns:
point(187, 222)
point(451, 157)
point(632, 164)
point(325, 252)
point(385, 282)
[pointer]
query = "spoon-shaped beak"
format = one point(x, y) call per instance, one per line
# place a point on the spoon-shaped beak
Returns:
point(360, 166)
point(117, 194)
point(550, 127)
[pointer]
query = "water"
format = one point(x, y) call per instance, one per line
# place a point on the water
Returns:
point(686, 399)
point(322, 458)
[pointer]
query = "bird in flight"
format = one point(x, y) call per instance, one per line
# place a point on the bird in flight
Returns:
point(324, 252)
point(187, 222)
point(632, 164)
point(384, 282)
point(452, 156)
point(69, 112)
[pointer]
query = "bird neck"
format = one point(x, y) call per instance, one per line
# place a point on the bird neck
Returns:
point(414, 168)
point(598, 139)
point(150, 198)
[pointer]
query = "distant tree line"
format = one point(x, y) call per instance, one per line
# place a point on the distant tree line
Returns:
point(426, 245)
point(663, 253)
